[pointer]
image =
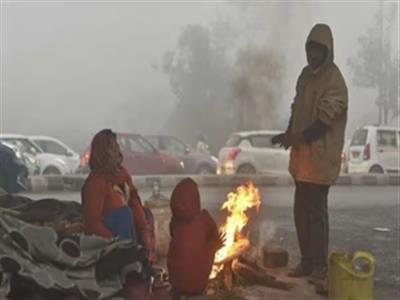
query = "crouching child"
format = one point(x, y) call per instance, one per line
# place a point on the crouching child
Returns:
point(194, 242)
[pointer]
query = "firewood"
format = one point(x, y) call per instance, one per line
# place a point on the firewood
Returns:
point(255, 266)
point(253, 276)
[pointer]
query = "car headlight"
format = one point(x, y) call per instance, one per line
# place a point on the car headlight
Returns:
point(182, 164)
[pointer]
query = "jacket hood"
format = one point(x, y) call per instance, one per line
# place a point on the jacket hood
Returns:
point(322, 34)
point(185, 200)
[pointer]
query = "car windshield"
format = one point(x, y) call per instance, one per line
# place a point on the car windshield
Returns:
point(359, 137)
point(146, 145)
point(25, 145)
point(233, 141)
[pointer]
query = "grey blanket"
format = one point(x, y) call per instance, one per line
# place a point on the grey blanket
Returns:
point(87, 265)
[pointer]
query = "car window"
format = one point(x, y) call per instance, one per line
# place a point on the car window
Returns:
point(261, 141)
point(154, 141)
point(122, 142)
point(174, 146)
point(139, 145)
point(146, 144)
point(135, 146)
point(51, 147)
point(386, 138)
point(25, 145)
point(233, 141)
point(245, 143)
point(359, 137)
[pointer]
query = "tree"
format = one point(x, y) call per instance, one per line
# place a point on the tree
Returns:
point(375, 66)
point(199, 78)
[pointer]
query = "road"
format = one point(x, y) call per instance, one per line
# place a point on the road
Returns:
point(339, 197)
point(355, 213)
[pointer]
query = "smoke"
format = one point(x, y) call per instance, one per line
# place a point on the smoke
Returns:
point(263, 233)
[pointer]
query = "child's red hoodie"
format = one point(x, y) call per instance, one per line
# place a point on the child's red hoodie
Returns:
point(194, 241)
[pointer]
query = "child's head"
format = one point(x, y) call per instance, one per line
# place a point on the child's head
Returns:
point(185, 200)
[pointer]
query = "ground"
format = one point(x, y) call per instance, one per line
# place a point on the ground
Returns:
point(355, 212)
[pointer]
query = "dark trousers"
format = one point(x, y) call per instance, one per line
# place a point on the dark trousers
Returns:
point(312, 224)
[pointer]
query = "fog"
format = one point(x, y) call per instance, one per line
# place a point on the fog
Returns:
point(70, 69)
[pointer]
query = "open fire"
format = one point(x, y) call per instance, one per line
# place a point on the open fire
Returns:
point(237, 204)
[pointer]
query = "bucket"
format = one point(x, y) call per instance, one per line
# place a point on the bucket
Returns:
point(351, 277)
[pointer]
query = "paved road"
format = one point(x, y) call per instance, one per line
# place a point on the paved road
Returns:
point(340, 196)
point(355, 212)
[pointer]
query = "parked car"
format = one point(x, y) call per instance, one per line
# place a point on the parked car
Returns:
point(28, 159)
point(49, 164)
point(344, 167)
point(140, 157)
point(195, 162)
point(250, 152)
point(375, 149)
point(57, 148)
point(13, 172)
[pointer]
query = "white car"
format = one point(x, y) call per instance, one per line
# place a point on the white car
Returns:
point(374, 149)
point(49, 164)
point(57, 148)
point(250, 152)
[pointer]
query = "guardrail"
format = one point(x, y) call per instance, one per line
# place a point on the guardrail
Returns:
point(75, 182)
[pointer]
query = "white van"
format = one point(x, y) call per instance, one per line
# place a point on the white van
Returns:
point(374, 149)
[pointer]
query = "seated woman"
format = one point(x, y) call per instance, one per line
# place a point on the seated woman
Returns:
point(110, 201)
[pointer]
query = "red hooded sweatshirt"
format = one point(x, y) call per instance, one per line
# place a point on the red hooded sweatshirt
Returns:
point(194, 241)
point(105, 190)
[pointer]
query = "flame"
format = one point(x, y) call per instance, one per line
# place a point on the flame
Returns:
point(238, 203)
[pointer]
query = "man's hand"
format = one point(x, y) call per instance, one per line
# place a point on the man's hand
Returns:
point(287, 139)
point(278, 139)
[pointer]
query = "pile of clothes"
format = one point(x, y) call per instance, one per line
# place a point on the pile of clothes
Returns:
point(44, 255)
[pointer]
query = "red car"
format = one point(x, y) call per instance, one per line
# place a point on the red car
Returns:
point(140, 157)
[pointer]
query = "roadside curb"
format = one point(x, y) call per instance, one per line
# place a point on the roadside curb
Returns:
point(40, 184)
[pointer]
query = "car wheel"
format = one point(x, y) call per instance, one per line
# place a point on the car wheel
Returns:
point(205, 170)
point(246, 169)
point(376, 170)
point(51, 171)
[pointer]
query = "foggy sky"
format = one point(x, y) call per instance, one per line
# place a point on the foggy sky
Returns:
point(71, 69)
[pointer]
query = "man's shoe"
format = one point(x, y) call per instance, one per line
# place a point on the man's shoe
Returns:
point(300, 270)
point(318, 276)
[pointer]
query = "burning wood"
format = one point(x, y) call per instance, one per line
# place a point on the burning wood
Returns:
point(230, 263)
point(238, 203)
point(258, 276)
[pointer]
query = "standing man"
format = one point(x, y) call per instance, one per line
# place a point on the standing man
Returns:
point(316, 136)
